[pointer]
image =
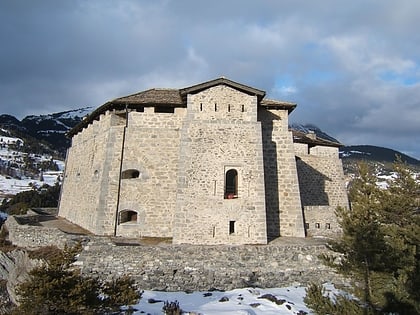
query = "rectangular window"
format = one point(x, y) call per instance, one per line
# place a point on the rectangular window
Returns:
point(168, 110)
point(317, 225)
point(231, 227)
point(328, 226)
point(307, 226)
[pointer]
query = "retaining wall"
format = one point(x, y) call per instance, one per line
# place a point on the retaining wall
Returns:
point(284, 262)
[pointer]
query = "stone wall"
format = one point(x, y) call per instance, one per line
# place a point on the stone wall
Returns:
point(217, 137)
point(151, 147)
point(284, 210)
point(284, 262)
point(196, 267)
point(24, 231)
point(322, 188)
point(89, 193)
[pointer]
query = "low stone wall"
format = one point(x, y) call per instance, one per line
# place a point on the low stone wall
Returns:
point(186, 267)
point(171, 267)
point(24, 232)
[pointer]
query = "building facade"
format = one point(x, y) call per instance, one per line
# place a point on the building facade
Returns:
point(214, 163)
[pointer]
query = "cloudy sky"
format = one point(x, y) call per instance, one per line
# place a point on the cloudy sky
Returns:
point(353, 67)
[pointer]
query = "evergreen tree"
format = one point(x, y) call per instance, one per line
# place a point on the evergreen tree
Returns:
point(57, 287)
point(378, 249)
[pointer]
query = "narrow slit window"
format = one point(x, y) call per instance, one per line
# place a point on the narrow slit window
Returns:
point(215, 107)
point(231, 184)
point(229, 108)
point(243, 108)
point(231, 227)
point(317, 225)
point(328, 226)
point(201, 107)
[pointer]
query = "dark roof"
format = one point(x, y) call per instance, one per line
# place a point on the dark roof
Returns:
point(312, 139)
point(223, 81)
point(267, 103)
point(165, 97)
point(174, 98)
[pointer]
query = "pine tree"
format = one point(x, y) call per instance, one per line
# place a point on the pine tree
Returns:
point(56, 287)
point(378, 249)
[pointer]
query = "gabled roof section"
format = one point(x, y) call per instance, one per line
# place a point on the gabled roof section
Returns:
point(274, 104)
point(168, 97)
point(223, 81)
point(313, 140)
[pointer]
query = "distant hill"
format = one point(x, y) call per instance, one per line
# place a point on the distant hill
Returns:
point(373, 153)
point(50, 129)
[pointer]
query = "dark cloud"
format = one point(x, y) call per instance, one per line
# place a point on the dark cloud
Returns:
point(352, 67)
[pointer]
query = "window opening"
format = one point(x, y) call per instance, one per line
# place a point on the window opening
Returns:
point(317, 225)
point(328, 226)
point(231, 184)
point(128, 216)
point(307, 226)
point(228, 107)
point(243, 108)
point(140, 109)
point(201, 107)
point(165, 110)
point(215, 107)
point(131, 173)
point(231, 227)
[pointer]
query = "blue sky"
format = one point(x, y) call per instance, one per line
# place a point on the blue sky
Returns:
point(353, 68)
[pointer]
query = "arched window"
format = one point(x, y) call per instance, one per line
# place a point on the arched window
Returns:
point(231, 184)
point(128, 216)
point(131, 173)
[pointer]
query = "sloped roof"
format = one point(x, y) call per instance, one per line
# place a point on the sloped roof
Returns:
point(274, 104)
point(312, 139)
point(223, 81)
point(174, 98)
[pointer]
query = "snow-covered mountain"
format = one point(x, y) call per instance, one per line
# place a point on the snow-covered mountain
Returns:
point(32, 150)
point(49, 128)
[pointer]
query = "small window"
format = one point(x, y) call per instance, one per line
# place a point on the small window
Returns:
point(328, 226)
point(165, 109)
point(131, 173)
point(307, 226)
point(231, 184)
point(231, 227)
point(228, 107)
point(201, 107)
point(317, 225)
point(215, 107)
point(243, 108)
point(128, 216)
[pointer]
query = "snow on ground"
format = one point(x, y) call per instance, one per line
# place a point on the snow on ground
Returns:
point(245, 301)
point(12, 186)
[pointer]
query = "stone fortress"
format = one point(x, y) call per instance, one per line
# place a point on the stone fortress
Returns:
point(214, 163)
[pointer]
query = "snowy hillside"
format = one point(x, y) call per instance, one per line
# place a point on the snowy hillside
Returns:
point(20, 171)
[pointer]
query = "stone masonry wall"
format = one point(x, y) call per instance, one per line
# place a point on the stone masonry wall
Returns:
point(186, 267)
point(23, 234)
point(93, 162)
point(219, 135)
point(152, 148)
point(284, 211)
point(197, 267)
point(322, 188)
